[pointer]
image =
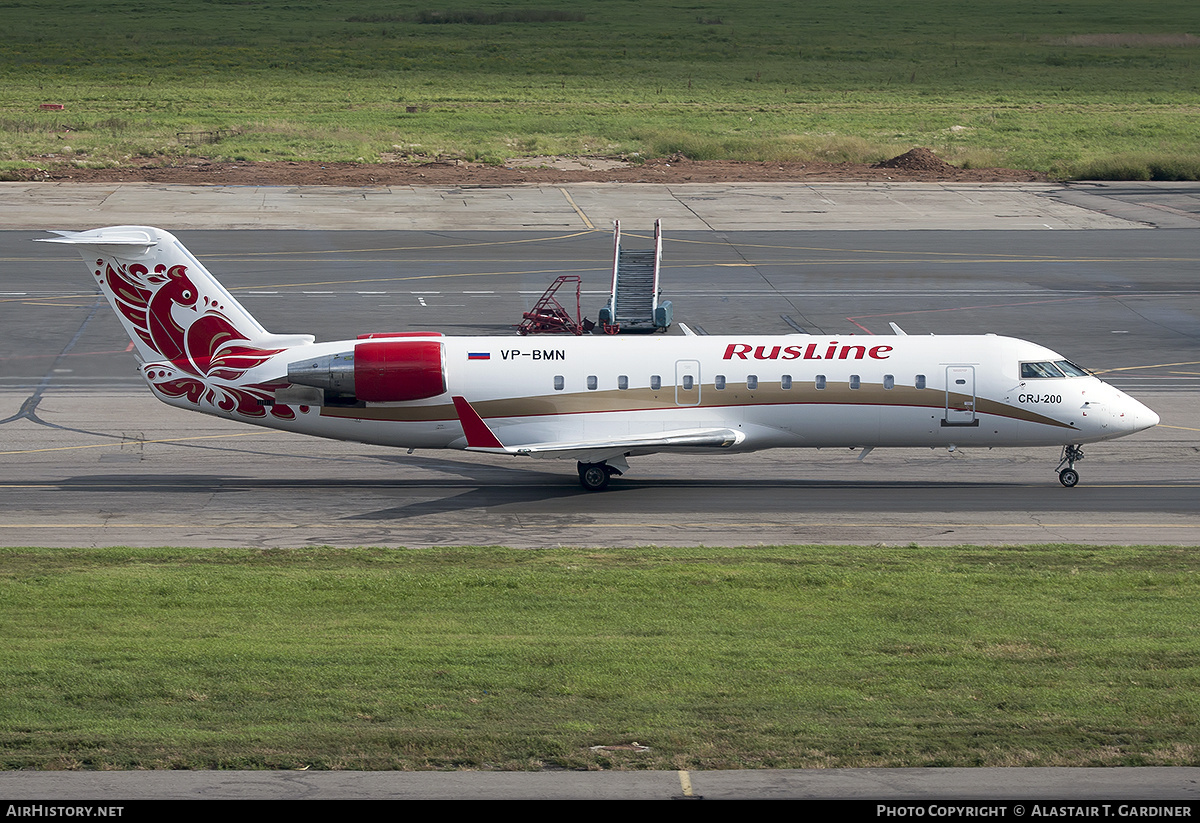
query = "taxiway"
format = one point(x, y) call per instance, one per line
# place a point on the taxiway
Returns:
point(91, 459)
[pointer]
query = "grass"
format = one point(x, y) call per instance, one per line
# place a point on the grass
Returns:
point(1062, 87)
point(493, 658)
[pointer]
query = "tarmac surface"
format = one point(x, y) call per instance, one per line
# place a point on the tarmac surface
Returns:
point(682, 207)
point(1103, 273)
point(1158, 788)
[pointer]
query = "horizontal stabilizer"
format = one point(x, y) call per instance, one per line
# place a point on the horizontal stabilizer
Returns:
point(102, 237)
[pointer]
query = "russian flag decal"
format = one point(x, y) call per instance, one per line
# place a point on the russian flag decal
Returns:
point(479, 355)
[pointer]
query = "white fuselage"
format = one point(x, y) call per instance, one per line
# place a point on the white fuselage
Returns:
point(777, 391)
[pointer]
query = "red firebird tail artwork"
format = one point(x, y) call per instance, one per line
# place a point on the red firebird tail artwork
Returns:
point(195, 342)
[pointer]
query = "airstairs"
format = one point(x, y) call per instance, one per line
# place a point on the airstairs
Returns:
point(633, 304)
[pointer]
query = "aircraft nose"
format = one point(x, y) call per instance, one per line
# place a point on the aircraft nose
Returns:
point(1139, 417)
point(1146, 418)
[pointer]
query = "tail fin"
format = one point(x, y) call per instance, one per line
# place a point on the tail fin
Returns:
point(161, 292)
point(194, 339)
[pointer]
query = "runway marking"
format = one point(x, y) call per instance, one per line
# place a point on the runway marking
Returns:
point(578, 210)
point(966, 308)
point(957, 255)
point(685, 783)
point(473, 245)
point(519, 272)
point(164, 440)
point(36, 301)
point(1149, 366)
point(915, 256)
point(1184, 428)
point(69, 354)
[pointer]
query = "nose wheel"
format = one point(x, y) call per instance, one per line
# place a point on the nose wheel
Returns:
point(1068, 476)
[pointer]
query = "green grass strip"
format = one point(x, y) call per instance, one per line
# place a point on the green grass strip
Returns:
point(495, 658)
point(1072, 88)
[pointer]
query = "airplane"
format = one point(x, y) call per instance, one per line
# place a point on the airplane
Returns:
point(598, 400)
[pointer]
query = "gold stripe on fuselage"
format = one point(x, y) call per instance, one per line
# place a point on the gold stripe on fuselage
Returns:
point(646, 399)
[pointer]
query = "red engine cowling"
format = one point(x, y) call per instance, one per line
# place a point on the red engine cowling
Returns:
point(398, 369)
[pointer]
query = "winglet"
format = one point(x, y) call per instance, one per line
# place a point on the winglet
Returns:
point(479, 436)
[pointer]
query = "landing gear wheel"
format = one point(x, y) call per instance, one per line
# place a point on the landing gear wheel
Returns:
point(1070, 455)
point(593, 476)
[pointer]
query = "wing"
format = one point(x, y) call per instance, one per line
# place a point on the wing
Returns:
point(481, 438)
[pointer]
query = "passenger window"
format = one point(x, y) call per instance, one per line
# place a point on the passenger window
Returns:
point(785, 382)
point(920, 381)
point(752, 381)
point(889, 381)
point(854, 381)
point(558, 382)
point(623, 382)
point(719, 381)
point(820, 381)
point(688, 382)
point(592, 382)
point(655, 382)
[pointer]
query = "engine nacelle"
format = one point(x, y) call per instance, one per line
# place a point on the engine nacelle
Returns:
point(380, 371)
point(394, 370)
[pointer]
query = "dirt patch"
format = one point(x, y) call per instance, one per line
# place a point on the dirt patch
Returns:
point(918, 159)
point(918, 165)
point(567, 163)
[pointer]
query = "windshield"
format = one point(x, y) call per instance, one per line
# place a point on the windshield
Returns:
point(1033, 370)
point(1070, 369)
point(1058, 368)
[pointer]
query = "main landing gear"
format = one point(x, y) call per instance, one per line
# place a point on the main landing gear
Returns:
point(1068, 476)
point(594, 476)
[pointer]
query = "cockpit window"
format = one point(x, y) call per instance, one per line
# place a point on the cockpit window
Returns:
point(1035, 370)
point(1070, 369)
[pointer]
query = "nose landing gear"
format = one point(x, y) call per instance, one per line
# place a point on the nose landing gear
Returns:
point(1068, 476)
